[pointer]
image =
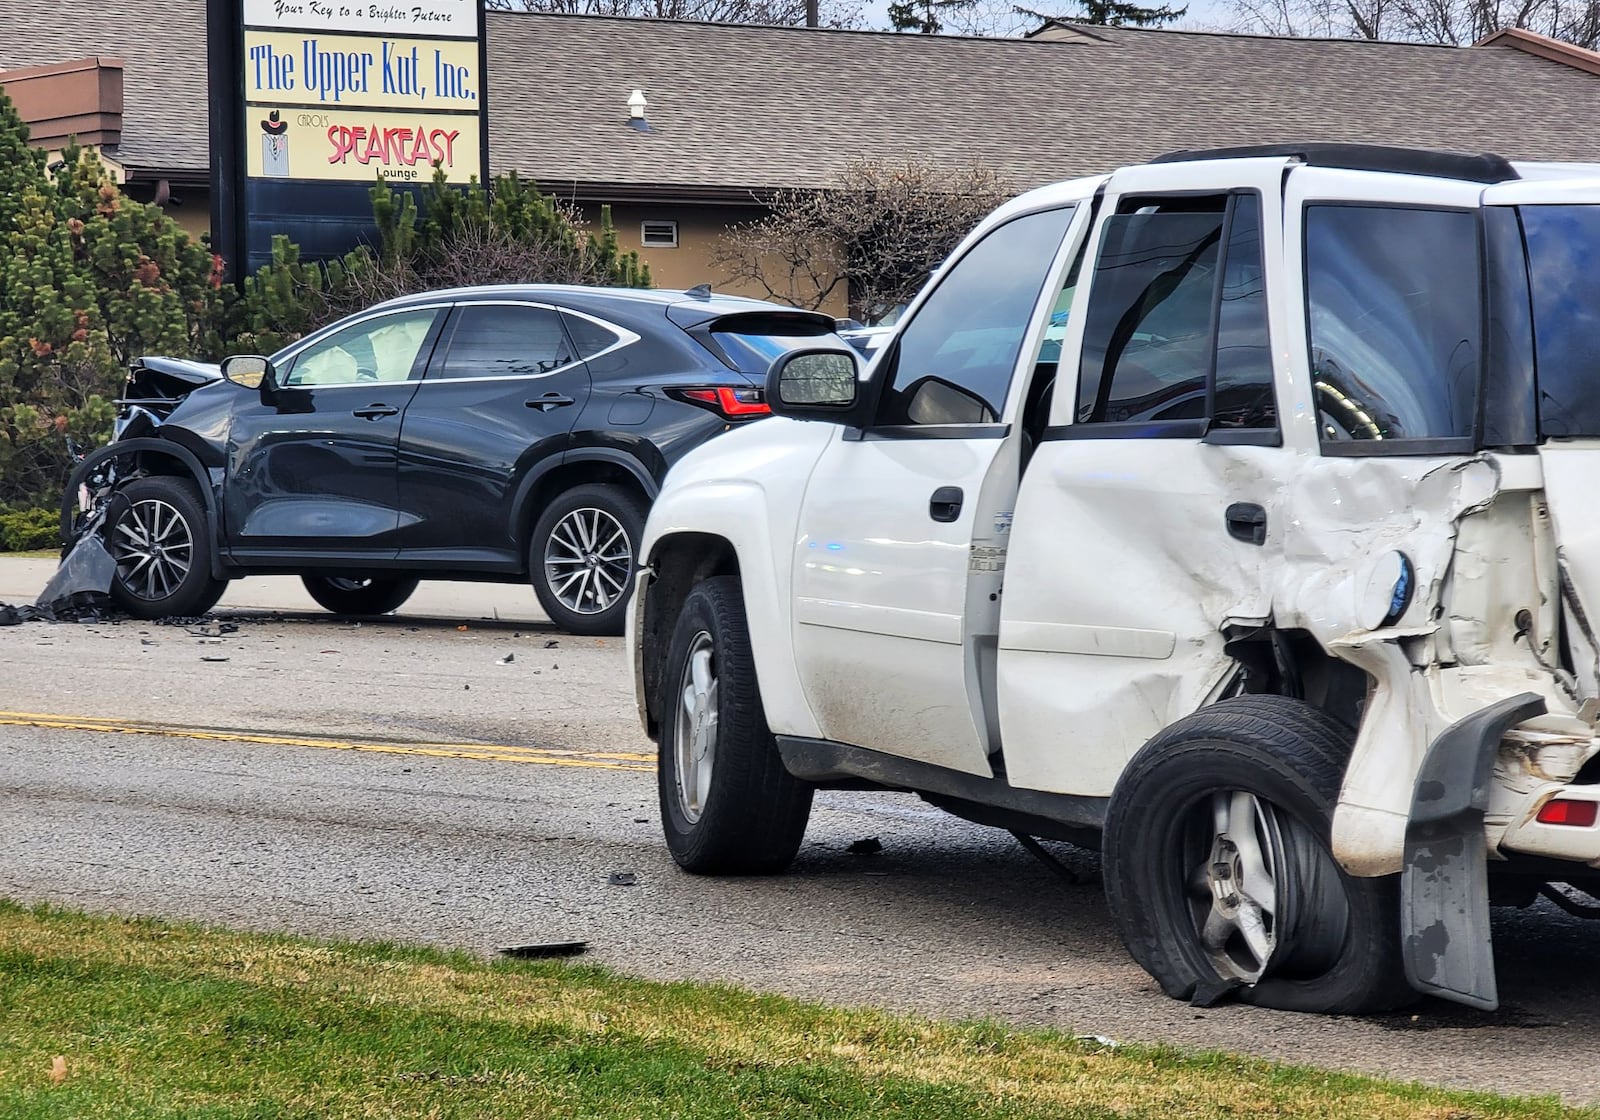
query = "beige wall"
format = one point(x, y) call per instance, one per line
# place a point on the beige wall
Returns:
point(699, 227)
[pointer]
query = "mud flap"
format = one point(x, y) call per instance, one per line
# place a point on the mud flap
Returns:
point(1444, 889)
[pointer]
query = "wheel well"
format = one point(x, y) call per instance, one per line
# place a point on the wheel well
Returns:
point(678, 563)
point(1293, 663)
point(565, 477)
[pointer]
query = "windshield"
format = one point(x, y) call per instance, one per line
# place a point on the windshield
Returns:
point(1564, 272)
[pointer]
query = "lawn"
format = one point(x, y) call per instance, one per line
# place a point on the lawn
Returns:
point(158, 1020)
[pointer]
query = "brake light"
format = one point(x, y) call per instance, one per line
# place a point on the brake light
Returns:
point(728, 402)
point(1560, 810)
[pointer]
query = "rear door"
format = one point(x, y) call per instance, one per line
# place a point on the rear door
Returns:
point(502, 395)
point(1146, 518)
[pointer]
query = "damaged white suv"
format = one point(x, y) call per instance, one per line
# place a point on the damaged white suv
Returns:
point(1239, 512)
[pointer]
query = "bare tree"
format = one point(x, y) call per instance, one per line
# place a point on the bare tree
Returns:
point(1454, 22)
point(777, 13)
point(877, 232)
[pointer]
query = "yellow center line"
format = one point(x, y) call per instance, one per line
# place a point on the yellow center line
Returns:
point(491, 752)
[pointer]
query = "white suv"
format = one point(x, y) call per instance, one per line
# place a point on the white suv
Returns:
point(1233, 512)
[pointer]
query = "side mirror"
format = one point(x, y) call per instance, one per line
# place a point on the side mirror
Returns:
point(815, 385)
point(249, 370)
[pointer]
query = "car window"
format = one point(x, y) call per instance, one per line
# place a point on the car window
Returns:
point(380, 349)
point(505, 340)
point(1147, 345)
point(754, 350)
point(1564, 269)
point(1243, 397)
point(954, 359)
point(589, 336)
point(1395, 311)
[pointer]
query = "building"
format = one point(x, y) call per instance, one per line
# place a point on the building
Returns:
point(738, 112)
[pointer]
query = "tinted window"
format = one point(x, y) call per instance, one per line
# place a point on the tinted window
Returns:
point(589, 337)
point(1243, 397)
point(753, 349)
point(1147, 344)
point(1564, 269)
point(955, 358)
point(381, 349)
point(505, 340)
point(1395, 320)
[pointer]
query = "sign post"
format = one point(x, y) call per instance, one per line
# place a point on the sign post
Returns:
point(324, 97)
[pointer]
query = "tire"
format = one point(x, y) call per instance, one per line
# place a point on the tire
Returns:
point(354, 595)
point(1240, 793)
point(582, 557)
point(161, 540)
point(731, 809)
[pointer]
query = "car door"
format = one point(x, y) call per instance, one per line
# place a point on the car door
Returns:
point(500, 397)
point(1146, 521)
point(312, 466)
point(897, 536)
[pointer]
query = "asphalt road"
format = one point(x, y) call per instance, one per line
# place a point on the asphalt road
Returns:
point(397, 780)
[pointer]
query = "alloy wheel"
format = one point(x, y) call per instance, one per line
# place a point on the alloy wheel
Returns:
point(695, 743)
point(153, 549)
point(588, 560)
point(1262, 892)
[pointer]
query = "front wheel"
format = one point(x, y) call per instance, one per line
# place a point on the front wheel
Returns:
point(728, 806)
point(1219, 871)
point(356, 595)
point(160, 539)
point(583, 557)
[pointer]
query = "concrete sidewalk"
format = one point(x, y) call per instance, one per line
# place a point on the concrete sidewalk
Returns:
point(22, 578)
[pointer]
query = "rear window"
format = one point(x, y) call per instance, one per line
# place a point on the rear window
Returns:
point(750, 345)
point(1564, 272)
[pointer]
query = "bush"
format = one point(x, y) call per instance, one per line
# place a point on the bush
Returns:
point(24, 530)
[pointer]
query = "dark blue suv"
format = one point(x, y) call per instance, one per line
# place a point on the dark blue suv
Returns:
point(503, 433)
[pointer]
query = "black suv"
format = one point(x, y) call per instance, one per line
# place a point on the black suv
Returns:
point(501, 433)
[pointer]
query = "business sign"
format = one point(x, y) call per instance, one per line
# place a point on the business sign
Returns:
point(326, 98)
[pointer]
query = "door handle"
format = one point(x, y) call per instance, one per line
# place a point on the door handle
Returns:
point(1247, 522)
point(547, 402)
point(373, 411)
point(945, 505)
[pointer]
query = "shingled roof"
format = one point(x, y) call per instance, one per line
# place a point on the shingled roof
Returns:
point(736, 108)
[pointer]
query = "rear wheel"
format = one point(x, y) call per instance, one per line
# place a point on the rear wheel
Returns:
point(160, 539)
point(583, 557)
point(359, 595)
point(1219, 871)
point(728, 806)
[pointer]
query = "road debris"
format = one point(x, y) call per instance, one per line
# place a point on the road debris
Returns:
point(507, 659)
point(869, 846)
point(213, 659)
point(541, 950)
point(622, 878)
point(552, 644)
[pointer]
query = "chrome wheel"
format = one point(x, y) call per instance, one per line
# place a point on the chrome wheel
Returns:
point(696, 738)
point(588, 560)
point(1263, 893)
point(153, 549)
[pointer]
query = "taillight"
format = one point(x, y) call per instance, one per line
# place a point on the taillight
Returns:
point(1561, 810)
point(727, 402)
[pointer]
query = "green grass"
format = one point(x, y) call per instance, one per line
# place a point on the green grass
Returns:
point(158, 1020)
point(33, 554)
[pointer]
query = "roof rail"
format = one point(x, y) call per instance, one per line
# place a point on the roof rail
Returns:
point(1484, 168)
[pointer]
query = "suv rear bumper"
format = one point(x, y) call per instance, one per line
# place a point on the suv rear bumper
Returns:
point(1527, 835)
